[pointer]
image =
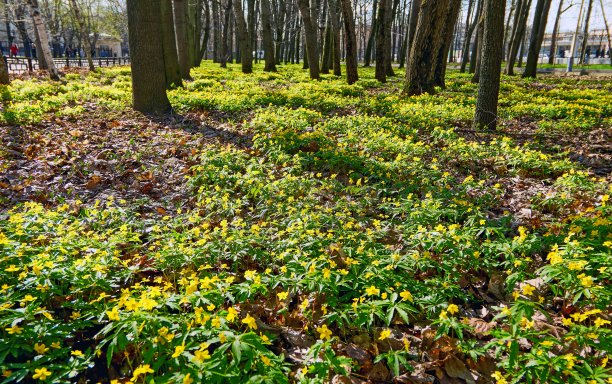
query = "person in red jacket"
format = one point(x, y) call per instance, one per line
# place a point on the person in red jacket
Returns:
point(14, 50)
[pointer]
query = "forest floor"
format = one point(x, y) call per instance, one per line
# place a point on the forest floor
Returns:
point(275, 228)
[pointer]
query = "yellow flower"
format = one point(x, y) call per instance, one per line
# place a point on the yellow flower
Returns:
point(187, 379)
point(528, 289)
point(14, 330)
point(586, 281)
point(567, 322)
point(443, 315)
point(250, 321)
point(216, 322)
point(571, 360)
point(41, 374)
point(231, 314)
point(282, 295)
point(113, 314)
point(266, 360)
point(384, 334)
point(324, 332)
point(41, 349)
point(452, 309)
point(406, 296)
point(178, 350)
point(599, 322)
point(497, 375)
point(77, 353)
point(372, 291)
point(141, 370)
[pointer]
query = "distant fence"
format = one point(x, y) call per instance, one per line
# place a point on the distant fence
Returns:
point(25, 64)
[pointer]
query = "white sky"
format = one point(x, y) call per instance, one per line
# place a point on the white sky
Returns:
point(569, 18)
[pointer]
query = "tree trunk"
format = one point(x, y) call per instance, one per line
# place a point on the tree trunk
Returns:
point(382, 35)
point(350, 41)
point(367, 56)
point(327, 47)
point(478, 50)
point(281, 19)
point(388, 25)
point(537, 36)
point(415, 8)
point(425, 47)
point(310, 35)
point(585, 33)
point(216, 30)
point(147, 56)
point(45, 51)
point(334, 6)
point(268, 38)
point(244, 40)
point(490, 71)
point(171, 62)
point(447, 40)
point(555, 32)
point(4, 74)
point(508, 28)
point(180, 29)
point(227, 11)
point(82, 31)
point(521, 17)
point(204, 44)
point(603, 14)
point(469, 30)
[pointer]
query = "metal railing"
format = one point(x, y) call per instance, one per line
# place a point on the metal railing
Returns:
point(25, 64)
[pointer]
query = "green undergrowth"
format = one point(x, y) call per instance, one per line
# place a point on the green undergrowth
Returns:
point(356, 217)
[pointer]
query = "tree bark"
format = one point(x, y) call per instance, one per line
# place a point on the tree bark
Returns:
point(521, 17)
point(367, 56)
point(425, 47)
point(490, 72)
point(310, 35)
point(334, 6)
point(415, 8)
point(83, 32)
point(180, 28)
point(171, 62)
point(147, 56)
point(225, 35)
point(244, 40)
point(478, 58)
point(216, 17)
point(45, 51)
point(268, 38)
point(553, 38)
point(4, 74)
point(585, 33)
point(537, 36)
point(469, 30)
point(383, 32)
point(447, 39)
point(350, 41)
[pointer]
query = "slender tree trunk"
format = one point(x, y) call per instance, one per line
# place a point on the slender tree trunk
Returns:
point(281, 36)
point(206, 38)
point(147, 56)
point(415, 8)
point(388, 25)
point(518, 36)
point(383, 32)
point(180, 26)
point(508, 26)
point(469, 30)
point(244, 40)
point(367, 56)
point(478, 50)
point(252, 27)
point(603, 14)
point(310, 34)
point(553, 38)
point(537, 36)
point(425, 47)
point(4, 74)
point(334, 9)
point(268, 38)
point(45, 51)
point(216, 30)
point(227, 11)
point(490, 72)
point(447, 39)
point(327, 47)
point(171, 63)
point(82, 31)
point(585, 33)
point(350, 41)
